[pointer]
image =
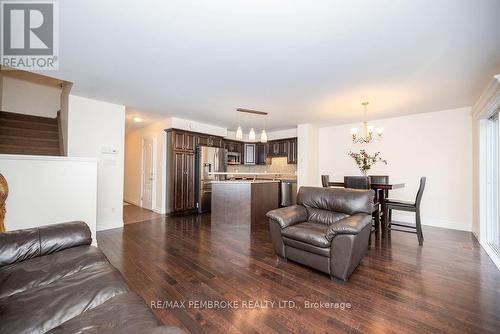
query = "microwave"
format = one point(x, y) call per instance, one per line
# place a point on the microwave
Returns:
point(233, 158)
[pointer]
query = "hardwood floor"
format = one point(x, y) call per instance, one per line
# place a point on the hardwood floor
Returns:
point(447, 286)
point(134, 214)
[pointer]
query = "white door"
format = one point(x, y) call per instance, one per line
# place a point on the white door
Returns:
point(148, 176)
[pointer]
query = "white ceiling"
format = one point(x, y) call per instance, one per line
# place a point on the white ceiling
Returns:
point(301, 61)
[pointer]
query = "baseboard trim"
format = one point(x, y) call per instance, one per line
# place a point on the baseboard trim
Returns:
point(491, 253)
point(451, 225)
point(103, 226)
point(132, 202)
point(159, 210)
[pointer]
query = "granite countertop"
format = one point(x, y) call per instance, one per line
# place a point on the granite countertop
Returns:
point(246, 181)
point(246, 173)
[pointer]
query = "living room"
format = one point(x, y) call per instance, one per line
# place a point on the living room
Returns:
point(231, 166)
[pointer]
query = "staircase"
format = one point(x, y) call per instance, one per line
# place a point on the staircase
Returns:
point(29, 135)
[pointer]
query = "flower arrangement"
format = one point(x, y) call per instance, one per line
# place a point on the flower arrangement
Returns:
point(366, 161)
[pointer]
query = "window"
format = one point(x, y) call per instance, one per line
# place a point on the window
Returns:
point(492, 232)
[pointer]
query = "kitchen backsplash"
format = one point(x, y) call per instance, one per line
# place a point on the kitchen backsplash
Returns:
point(278, 165)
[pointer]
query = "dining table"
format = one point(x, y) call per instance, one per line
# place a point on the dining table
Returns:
point(382, 190)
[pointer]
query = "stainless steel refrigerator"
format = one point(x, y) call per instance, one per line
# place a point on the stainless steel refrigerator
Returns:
point(208, 159)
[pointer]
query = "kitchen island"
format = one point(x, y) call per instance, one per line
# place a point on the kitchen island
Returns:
point(243, 201)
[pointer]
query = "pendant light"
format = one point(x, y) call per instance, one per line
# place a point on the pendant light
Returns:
point(251, 134)
point(263, 136)
point(239, 133)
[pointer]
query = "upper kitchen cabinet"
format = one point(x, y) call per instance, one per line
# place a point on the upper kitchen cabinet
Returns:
point(274, 147)
point(187, 141)
point(292, 151)
point(284, 148)
point(206, 140)
point(182, 140)
point(216, 141)
point(261, 150)
point(233, 146)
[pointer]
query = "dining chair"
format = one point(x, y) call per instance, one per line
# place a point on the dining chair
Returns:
point(324, 180)
point(356, 182)
point(363, 182)
point(411, 207)
point(381, 179)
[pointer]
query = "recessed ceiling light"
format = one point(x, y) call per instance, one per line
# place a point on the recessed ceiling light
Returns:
point(137, 119)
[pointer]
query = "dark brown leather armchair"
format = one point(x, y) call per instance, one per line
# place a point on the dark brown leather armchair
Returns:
point(52, 279)
point(328, 229)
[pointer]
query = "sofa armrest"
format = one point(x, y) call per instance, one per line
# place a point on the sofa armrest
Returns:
point(21, 245)
point(349, 225)
point(289, 215)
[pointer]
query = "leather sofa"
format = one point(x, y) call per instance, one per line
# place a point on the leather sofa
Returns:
point(328, 229)
point(53, 280)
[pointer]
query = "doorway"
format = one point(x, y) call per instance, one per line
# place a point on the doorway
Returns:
point(148, 173)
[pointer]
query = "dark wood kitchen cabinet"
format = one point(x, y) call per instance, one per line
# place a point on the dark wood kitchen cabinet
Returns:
point(183, 141)
point(274, 147)
point(233, 146)
point(183, 181)
point(206, 140)
point(261, 153)
point(189, 180)
point(292, 151)
point(284, 148)
point(181, 150)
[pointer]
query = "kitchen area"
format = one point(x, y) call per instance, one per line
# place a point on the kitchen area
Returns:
point(234, 180)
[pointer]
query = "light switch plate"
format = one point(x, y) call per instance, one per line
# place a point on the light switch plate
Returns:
point(108, 150)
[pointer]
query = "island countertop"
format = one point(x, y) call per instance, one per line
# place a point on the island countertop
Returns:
point(245, 181)
point(254, 176)
point(246, 173)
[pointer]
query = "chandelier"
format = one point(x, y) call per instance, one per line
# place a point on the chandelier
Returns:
point(369, 132)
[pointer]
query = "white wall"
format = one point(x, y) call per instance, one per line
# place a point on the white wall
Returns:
point(308, 149)
point(437, 145)
point(26, 97)
point(96, 128)
point(49, 190)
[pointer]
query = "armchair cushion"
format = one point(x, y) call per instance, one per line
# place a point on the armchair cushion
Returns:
point(347, 201)
point(310, 233)
point(349, 225)
point(324, 216)
point(289, 215)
